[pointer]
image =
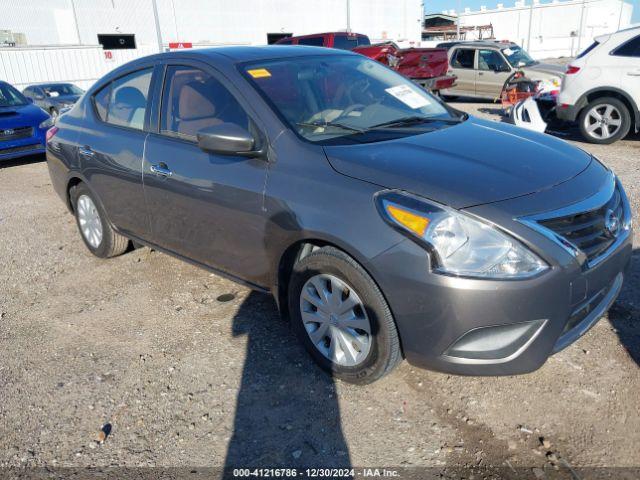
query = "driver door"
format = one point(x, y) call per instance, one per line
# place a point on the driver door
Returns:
point(492, 73)
point(204, 206)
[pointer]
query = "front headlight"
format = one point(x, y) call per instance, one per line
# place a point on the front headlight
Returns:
point(460, 245)
point(47, 123)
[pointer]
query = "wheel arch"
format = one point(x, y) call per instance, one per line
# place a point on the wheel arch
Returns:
point(614, 92)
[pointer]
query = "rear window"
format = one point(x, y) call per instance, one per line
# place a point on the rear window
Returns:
point(344, 42)
point(588, 49)
point(124, 101)
point(312, 41)
point(10, 97)
point(463, 58)
point(629, 49)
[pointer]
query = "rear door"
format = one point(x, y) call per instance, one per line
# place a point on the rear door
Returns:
point(204, 206)
point(627, 60)
point(462, 65)
point(112, 147)
point(492, 73)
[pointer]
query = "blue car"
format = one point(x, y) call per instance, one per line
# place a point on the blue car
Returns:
point(23, 126)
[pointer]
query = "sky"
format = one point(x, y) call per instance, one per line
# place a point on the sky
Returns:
point(437, 6)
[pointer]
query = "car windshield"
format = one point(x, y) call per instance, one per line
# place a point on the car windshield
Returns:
point(61, 89)
point(518, 57)
point(346, 99)
point(10, 97)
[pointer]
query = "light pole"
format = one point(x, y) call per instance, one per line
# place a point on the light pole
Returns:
point(157, 21)
point(75, 21)
point(348, 15)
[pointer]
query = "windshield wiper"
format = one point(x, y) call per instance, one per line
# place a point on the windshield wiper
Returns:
point(331, 125)
point(415, 119)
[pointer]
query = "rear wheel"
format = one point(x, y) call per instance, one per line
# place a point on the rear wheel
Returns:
point(604, 120)
point(342, 318)
point(97, 234)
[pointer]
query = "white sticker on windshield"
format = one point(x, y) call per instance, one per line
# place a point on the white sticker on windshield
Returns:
point(408, 96)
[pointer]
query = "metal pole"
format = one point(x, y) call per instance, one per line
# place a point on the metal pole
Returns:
point(530, 24)
point(348, 15)
point(581, 26)
point(157, 21)
point(620, 17)
point(75, 21)
point(175, 19)
point(458, 22)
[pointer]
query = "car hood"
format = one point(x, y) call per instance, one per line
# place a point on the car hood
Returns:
point(21, 116)
point(541, 71)
point(464, 165)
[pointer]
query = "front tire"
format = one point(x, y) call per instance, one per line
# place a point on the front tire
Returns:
point(604, 120)
point(97, 234)
point(341, 317)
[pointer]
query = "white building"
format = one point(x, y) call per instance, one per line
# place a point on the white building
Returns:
point(61, 36)
point(555, 29)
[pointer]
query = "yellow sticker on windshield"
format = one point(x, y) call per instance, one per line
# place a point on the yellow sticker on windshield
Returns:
point(259, 73)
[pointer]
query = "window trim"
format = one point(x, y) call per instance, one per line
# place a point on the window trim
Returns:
point(109, 84)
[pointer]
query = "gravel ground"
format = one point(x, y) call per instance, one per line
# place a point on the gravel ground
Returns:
point(142, 350)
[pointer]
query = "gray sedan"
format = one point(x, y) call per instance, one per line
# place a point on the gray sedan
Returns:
point(53, 97)
point(385, 224)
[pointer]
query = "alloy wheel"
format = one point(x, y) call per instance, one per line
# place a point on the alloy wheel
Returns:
point(603, 121)
point(89, 221)
point(335, 320)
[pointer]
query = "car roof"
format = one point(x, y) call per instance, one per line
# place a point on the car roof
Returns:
point(480, 43)
point(248, 53)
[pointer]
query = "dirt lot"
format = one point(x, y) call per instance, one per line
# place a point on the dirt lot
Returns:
point(141, 345)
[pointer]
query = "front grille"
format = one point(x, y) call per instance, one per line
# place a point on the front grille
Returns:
point(15, 133)
point(23, 148)
point(586, 230)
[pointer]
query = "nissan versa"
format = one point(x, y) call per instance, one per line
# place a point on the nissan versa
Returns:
point(386, 224)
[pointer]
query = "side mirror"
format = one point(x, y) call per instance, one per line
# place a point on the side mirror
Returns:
point(229, 139)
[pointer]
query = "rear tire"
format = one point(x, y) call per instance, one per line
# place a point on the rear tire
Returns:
point(605, 120)
point(347, 350)
point(96, 232)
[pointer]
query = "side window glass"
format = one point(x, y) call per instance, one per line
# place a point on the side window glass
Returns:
point(491, 60)
point(101, 102)
point(313, 41)
point(343, 42)
point(629, 49)
point(193, 100)
point(128, 100)
point(463, 58)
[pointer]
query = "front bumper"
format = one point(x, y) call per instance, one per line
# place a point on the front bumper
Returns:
point(33, 145)
point(497, 327)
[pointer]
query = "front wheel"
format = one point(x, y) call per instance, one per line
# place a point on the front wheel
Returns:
point(605, 120)
point(342, 318)
point(97, 234)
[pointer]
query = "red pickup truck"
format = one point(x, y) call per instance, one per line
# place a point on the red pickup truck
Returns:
point(341, 40)
point(425, 66)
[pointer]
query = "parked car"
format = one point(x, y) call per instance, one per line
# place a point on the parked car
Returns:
point(53, 97)
point(601, 88)
point(425, 66)
point(341, 40)
point(483, 67)
point(385, 223)
point(23, 126)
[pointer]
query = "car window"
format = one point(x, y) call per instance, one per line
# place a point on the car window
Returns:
point(10, 97)
point(124, 101)
point(629, 49)
point(193, 100)
point(588, 49)
point(463, 58)
point(492, 60)
point(343, 42)
point(286, 41)
point(363, 40)
point(313, 41)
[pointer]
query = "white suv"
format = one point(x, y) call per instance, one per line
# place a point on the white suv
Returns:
point(601, 88)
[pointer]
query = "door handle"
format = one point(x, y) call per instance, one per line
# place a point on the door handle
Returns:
point(86, 151)
point(161, 169)
point(480, 73)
